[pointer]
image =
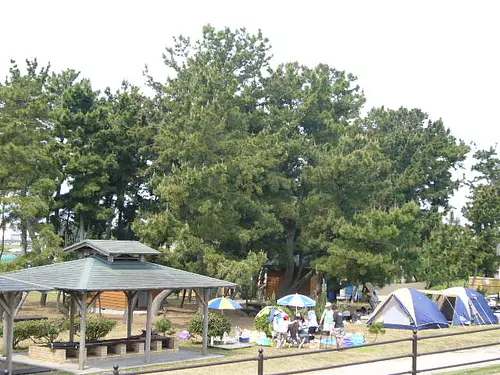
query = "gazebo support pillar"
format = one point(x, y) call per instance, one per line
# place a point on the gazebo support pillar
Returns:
point(130, 311)
point(72, 313)
point(149, 326)
point(8, 302)
point(83, 329)
point(202, 295)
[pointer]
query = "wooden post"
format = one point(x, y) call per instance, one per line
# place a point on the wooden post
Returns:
point(83, 329)
point(130, 312)
point(205, 322)
point(72, 312)
point(149, 325)
point(9, 326)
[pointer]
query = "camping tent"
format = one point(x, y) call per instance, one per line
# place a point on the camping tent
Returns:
point(407, 308)
point(463, 306)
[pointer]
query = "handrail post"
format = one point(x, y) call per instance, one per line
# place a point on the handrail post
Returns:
point(260, 362)
point(115, 370)
point(414, 352)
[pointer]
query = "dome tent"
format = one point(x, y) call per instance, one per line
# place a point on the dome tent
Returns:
point(407, 308)
point(463, 306)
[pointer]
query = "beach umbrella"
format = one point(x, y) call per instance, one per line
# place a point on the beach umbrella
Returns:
point(223, 303)
point(296, 300)
point(270, 310)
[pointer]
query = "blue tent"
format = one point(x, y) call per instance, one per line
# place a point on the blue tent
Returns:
point(407, 308)
point(463, 306)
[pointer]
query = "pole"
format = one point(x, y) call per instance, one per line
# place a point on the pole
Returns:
point(260, 362)
point(149, 325)
point(205, 323)
point(72, 311)
point(414, 352)
point(83, 329)
point(130, 313)
point(9, 326)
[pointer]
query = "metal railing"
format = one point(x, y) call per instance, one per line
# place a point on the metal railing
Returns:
point(414, 354)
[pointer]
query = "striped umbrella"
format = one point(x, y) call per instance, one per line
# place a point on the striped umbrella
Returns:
point(223, 303)
point(296, 300)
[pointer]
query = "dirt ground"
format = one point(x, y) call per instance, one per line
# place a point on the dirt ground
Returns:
point(179, 316)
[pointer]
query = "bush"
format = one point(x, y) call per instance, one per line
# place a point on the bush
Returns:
point(262, 324)
point(38, 331)
point(217, 324)
point(163, 325)
point(97, 328)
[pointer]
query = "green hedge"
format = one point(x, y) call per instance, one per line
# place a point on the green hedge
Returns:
point(217, 324)
point(38, 331)
point(97, 328)
point(164, 325)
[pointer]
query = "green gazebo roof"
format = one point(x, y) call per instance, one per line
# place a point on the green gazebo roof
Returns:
point(113, 247)
point(96, 273)
point(8, 284)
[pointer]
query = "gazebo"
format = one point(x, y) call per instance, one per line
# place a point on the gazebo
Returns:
point(9, 290)
point(116, 266)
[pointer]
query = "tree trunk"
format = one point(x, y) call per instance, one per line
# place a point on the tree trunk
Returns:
point(473, 283)
point(82, 227)
point(125, 315)
point(24, 236)
point(20, 299)
point(159, 299)
point(43, 299)
point(289, 261)
point(183, 298)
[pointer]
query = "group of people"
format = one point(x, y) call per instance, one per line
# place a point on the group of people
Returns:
point(332, 323)
point(302, 329)
point(298, 331)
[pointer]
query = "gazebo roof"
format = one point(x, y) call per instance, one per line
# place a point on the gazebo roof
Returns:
point(113, 247)
point(9, 284)
point(96, 273)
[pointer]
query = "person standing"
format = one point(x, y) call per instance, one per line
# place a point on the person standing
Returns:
point(326, 321)
point(338, 323)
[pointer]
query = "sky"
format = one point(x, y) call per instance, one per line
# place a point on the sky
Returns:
point(440, 56)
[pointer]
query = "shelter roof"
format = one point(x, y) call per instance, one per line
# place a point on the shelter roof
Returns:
point(96, 273)
point(113, 247)
point(9, 284)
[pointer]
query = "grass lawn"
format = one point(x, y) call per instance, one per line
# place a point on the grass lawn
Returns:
point(180, 317)
point(489, 370)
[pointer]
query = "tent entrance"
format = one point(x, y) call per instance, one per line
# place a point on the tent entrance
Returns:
point(448, 307)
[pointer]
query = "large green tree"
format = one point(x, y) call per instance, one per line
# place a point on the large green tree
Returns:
point(27, 173)
point(483, 210)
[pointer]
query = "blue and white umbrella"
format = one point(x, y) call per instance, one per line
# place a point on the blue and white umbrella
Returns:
point(296, 300)
point(223, 303)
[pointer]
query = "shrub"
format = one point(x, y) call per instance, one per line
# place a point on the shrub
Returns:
point(45, 331)
point(38, 331)
point(217, 324)
point(163, 325)
point(262, 324)
point(97, 328)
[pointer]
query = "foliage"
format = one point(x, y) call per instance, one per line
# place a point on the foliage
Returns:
point(234, 163)
point(376, 329)
point(97, 327)
point(164, 325)
point(483, 210)
point(261, 323)
point(39, 331)
point(448, 255)
point(217, 324)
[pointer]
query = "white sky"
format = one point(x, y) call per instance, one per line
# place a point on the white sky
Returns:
point(440, 56)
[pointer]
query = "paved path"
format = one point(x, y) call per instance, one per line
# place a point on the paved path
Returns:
point(424, 362)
